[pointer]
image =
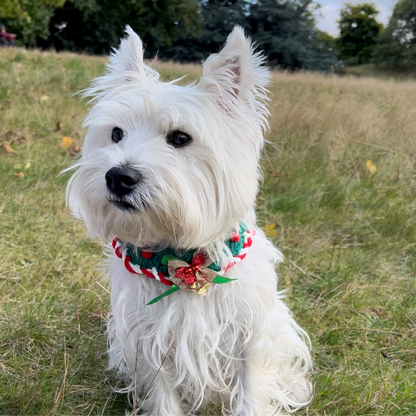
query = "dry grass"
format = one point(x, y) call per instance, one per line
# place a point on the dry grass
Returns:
point(348, 237)
point(352, 233)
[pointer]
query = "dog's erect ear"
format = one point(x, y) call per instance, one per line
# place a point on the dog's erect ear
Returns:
point(236, 74)
point(127, 60)
point(126, 66)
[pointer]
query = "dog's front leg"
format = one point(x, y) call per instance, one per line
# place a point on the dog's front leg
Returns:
point(249, 396)
point(161, 399)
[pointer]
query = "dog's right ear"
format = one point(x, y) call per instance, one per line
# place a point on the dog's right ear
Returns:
point(127, 60)
point(126, 66)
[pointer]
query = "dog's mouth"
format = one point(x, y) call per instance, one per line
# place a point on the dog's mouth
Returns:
point(123, 205)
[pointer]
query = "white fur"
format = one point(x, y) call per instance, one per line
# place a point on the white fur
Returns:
point(239, 345)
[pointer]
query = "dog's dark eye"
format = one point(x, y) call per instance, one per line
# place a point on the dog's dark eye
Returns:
point(117, 135)
point(179, 138)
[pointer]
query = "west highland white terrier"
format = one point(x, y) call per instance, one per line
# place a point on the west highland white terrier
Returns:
point(169, 173)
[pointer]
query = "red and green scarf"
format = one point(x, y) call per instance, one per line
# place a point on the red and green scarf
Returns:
point(192, 270)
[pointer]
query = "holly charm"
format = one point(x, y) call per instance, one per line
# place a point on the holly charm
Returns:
point(195, 277)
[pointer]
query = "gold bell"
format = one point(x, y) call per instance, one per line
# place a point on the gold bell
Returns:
point(194, 287)
point(203, 289)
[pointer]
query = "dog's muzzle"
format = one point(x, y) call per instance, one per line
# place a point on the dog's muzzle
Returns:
point(122, 180)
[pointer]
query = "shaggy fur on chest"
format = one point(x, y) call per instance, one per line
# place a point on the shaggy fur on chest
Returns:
point(204, 346)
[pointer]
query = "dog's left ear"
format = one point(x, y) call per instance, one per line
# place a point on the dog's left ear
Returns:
point(236, 75)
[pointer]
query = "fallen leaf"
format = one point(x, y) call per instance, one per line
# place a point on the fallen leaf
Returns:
point(277, 174)
point(57, 126)
point(20, 175)
point(65, 88)
point(271, 230)
point(372, 168)
point(44, 98)
point(66, 141)
point(7, 148)
point(27, 166)
point(75, 150)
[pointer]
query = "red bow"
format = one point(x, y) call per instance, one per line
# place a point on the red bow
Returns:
point(188, 273)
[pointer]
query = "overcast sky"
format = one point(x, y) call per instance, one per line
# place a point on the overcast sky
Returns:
point(330, 13)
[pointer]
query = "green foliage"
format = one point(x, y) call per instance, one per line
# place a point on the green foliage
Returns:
point(28, 19)
point(359, 30)
point(286, 31)
point(218, 18)
point(397, 45)
point(97, 25)
point(326, 41)
point(182, 30)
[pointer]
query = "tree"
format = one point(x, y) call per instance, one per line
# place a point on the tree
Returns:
point(397, 45)
point(186, 30)
point(219, 18)
point(283, 29)
point(28, 19)
point(326, 42)
point(97, 25)
point(286, 31)
point(359, 30)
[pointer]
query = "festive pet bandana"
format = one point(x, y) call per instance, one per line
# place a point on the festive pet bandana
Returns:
point(192, 270)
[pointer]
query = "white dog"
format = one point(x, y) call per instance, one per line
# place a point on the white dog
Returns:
point(172, 172)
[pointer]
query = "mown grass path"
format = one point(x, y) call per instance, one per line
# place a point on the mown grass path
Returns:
point(338, 198)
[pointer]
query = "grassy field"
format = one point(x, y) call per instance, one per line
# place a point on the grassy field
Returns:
point(372, 70)
point(338, 198)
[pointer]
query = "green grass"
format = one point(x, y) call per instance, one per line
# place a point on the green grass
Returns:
point(349, 239)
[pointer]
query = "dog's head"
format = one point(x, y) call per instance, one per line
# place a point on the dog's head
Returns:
point(165, 164)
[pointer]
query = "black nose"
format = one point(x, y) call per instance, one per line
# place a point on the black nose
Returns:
point(122, 180)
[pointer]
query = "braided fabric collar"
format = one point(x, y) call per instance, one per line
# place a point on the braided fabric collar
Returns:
point(191, 270)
